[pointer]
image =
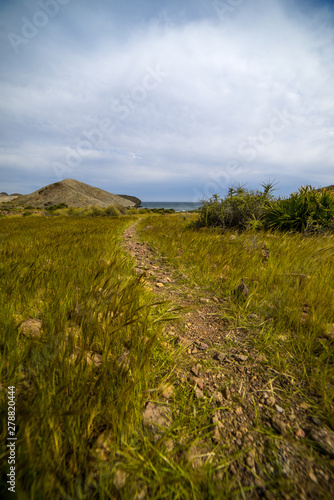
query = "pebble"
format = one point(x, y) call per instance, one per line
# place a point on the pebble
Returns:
point(217, 396)
point(250, 461)
point(270, 401)
point(159, 285)
point(312, 476)
point(195, 370)
point(198, 393)
point(279, 409)
point(219, 357)
point(240, 357)
point(226, 393)
point(278, 425)
point(199, 382)
point(156, 416)
point(300, 434)
point(120, 479)
point(202, 346)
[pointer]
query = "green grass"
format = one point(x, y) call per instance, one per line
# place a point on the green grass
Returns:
point(290, 281)
point(72, 274)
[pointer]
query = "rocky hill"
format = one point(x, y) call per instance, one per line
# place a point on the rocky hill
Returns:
point(74, 194)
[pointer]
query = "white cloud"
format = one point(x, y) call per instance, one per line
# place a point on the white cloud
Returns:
point(188, 97)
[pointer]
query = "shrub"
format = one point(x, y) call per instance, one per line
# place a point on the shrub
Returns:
point(241, 208)
point(309, 210)
point(111, 211)
point(51, 208)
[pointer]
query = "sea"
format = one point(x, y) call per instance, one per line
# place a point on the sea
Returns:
point(178, 206)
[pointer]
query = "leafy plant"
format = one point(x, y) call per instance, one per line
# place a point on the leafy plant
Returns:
point(309, 210)
point(241, 208)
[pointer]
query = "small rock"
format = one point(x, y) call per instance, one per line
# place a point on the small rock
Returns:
point(216, 435)
point(270, 401)
point(300, 434)
point(168, 391)
point(239, 411)
point(250, 461)
point(204, 300)
point(202, 346)
point(219, 357)
point(324, 439)
point(195, 370)
point(198, 393)
point(93, 358)
point(279, 409)
point(183, 341)
point(159, 285)
point(215, 418)
point(103, 445)
point(233, 470)
point(240, 357)
point(155, 417)
point(278, 425)
point(312, 476)
point(32, 326)
point(226, 393)
point(218, 397)
point(120, 478)
point(199, 382)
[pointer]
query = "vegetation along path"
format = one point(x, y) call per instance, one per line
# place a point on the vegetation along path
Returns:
point(256, 433)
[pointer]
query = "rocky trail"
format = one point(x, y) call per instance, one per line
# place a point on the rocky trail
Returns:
point(271, 437)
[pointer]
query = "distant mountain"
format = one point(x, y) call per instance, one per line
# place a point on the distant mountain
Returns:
point(74, 194)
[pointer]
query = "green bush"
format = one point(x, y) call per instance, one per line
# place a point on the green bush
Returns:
point(111, 211)
point(51, 208)
point(241, 208)
point(309, 210)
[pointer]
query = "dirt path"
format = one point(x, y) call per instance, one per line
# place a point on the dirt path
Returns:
point(252, 415)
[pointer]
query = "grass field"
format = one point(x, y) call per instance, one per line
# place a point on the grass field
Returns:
point(82, 342)
point(290, 281)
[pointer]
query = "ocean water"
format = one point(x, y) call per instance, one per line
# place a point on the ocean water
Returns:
point(178, 206)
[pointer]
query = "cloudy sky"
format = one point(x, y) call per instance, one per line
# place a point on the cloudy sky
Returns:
point(167, 100)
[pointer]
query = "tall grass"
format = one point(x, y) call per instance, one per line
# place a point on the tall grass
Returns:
point(71, 385)
point(290, 280)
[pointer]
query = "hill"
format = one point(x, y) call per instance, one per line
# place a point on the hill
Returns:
point(74, 194)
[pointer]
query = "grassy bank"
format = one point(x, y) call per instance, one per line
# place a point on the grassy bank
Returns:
point(289, 305)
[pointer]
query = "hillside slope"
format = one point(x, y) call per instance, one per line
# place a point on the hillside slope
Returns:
point(74, 194)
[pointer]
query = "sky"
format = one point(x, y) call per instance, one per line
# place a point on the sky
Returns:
point(167, 100)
